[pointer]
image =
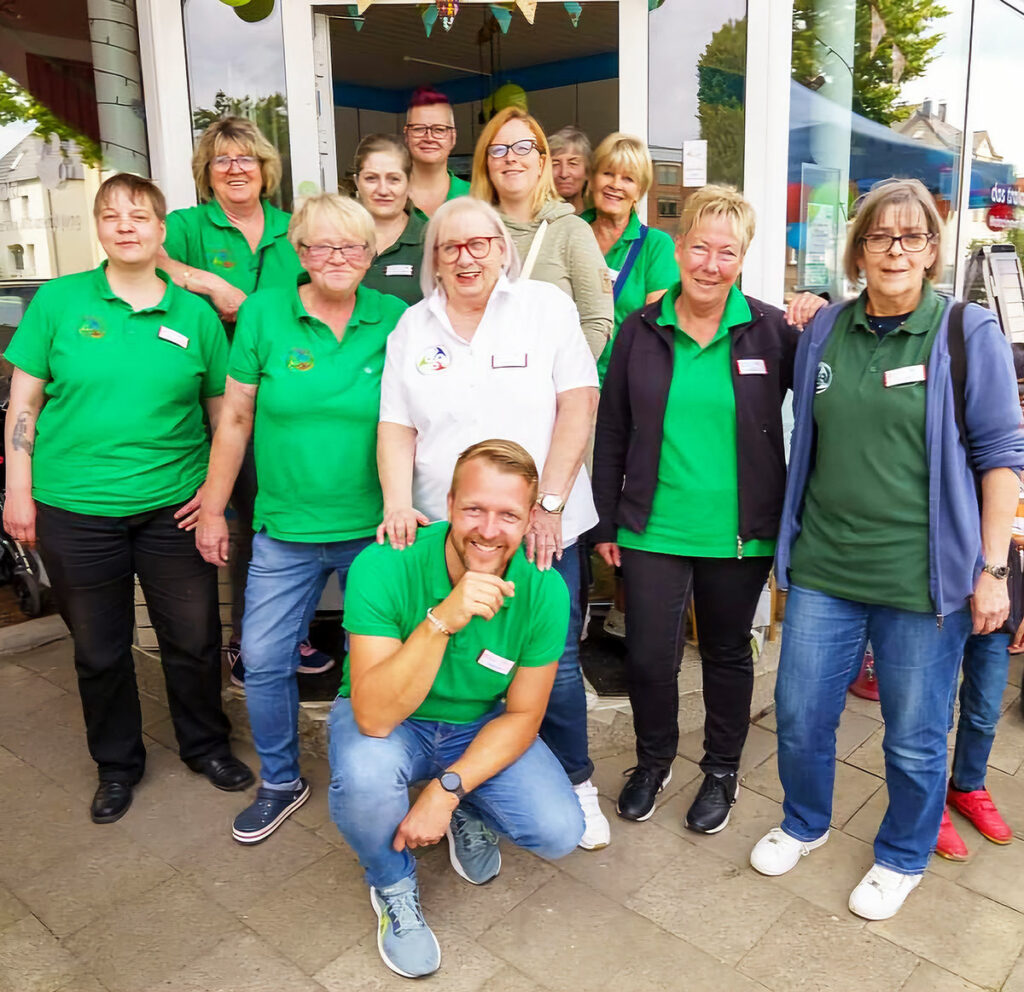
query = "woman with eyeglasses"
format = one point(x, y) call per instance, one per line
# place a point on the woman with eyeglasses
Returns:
point(304, 379)
point(880, 538)
point(431, 135)
point(512, 171)
point(490, 354)
point(234, 242)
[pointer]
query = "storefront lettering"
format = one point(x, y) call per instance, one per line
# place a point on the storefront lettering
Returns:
point(58, 222)
point(1009, 195)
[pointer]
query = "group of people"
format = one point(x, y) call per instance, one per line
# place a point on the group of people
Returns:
point(402, 389)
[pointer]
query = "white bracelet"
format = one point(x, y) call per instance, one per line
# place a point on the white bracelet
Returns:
point(439, 623)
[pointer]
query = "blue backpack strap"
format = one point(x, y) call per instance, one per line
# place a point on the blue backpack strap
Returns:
point(627, 266)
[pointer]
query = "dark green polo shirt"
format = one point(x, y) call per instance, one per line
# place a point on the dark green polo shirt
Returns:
point(696, 510)
point(316, 412)
point(122, 430)
point(655, 268)
point(204, 238)
point(865, 518)
point(396, 270)
point(456, 187)
point(388, 593)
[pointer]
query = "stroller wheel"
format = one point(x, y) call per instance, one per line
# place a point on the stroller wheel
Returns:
point(30, 596)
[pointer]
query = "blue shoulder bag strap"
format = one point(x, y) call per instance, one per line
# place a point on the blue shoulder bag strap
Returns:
point(627, 266)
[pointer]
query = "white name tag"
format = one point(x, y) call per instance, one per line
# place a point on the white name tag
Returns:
point(509, 361)
point(398, 270)
point(495, 662)
point(751, 366)
point(168, 334)
point(904, 376)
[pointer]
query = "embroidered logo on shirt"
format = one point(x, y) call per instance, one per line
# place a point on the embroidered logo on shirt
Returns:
point(299, 360)
point(824, 377)
point(92, 327)
point(220, 258)
point(434, 359)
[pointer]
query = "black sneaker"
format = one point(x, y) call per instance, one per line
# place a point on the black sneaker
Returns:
point(636, 800)
point(233, 653)
point(716, 797)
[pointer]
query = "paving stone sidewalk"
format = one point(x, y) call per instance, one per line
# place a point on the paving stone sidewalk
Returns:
point(165, 900)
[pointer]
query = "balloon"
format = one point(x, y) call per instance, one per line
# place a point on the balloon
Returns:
point(255, 10)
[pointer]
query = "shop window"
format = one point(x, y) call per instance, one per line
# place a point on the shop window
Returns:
point(668, 175)
point(55, 146)
point(668, 208)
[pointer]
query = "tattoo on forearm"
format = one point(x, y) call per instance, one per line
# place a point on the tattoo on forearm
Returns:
point(21, 439)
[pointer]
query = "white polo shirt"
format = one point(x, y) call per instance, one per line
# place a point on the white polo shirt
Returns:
point(502, 384)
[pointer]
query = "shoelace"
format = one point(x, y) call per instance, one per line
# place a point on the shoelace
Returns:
point(983, 804)
point(639, 775)
point(884, 883)
point(779, 836)
point(473, 833)
point(404, 910)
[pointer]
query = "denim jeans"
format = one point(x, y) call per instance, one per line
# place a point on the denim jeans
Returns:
point(916, 662)
point(564, 729)
point(286, 579)
point(530, 801)
point(986, 667)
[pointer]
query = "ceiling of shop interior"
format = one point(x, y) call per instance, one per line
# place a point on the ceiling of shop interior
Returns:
point(375, 55)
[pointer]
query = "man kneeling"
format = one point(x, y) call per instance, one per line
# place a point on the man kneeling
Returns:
point(454, 648)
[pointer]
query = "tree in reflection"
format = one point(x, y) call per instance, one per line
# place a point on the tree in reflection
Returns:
point(720, 79)
point(18, 105)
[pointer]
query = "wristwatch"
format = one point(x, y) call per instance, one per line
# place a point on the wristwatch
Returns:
point(997, 571)
point(452, 782)
point(551, 502)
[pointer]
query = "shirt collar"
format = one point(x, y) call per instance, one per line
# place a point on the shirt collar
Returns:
point(441, 583)
point(631, 232)
point(275, 222)
point(438, 300)
point(412, 233)
point(365, 311)
point(103, 287)
point(920, 321)
point(737, 311)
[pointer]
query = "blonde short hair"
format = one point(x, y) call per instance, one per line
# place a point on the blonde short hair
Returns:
point(719, 201)
point(432, 235)
point(250, 139)
point(344, 213)
point(480, 184)
point(506, 456)
point(628, 155)
point(900, 193)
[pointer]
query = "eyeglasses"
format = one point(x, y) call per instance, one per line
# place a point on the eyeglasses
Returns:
point(522, 148)
point(323, 253)
point(434, 130)
point(222, 163)
point(879, 244)
point(477, 247)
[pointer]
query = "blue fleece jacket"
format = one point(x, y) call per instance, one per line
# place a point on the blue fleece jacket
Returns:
point(993, 418)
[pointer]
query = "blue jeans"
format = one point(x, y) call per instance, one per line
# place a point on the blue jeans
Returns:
point(286, 580)
point(530, 801)
point(564, 729)
point(986, 667)
point(916, 663)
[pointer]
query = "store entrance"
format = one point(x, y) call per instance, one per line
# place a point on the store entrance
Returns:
point(566, 72)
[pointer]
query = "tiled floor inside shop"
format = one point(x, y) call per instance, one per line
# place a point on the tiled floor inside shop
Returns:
point(164, 899)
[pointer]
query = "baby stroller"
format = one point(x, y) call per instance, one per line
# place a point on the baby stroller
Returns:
point(20, 566)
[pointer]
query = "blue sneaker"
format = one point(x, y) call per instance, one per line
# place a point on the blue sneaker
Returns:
point(312, 661)
point(473, 848)
point(272, 807)
point(406, 944)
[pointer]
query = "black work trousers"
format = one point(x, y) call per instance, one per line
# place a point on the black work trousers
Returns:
point(92, 561)
point(725, 591)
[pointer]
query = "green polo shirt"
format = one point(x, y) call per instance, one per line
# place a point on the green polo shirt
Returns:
point(388, 592)
point(655, 268)
point(864, 533)
point(696, 509)
point(121, 430)
point(456, 187)
point(316, 412)
point(204, 238)
point(396, 270)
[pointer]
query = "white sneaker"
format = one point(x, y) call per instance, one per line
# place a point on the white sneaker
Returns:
point(776, 852)
point(597, 832)
point(881, 893)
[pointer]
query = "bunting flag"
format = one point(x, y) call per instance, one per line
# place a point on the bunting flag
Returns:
point(528, 8)
point(447, 9)
point(899, 63)
point(362, 6)
point(654, 4)
point(573, 10)
point(353, 13)
point(878, 29)
point(503, 16)
point(429, 18)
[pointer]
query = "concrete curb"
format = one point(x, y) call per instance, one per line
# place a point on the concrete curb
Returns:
point(31, 634)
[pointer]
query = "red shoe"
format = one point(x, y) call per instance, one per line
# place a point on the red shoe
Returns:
point(978, 807)
point(865, 684)
point(950, 845)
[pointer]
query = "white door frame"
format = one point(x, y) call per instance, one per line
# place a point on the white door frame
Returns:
point(300, 61)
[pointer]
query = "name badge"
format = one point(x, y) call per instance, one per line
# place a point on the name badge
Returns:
point(614, 273)
point(495, 662)
point(509, 361)
point(398, 270)
point(168, 334)
point(904, 376)
point(751, 366)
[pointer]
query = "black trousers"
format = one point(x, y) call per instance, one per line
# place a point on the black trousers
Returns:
point(243, 500)
point(91, 563)
point(658, 589)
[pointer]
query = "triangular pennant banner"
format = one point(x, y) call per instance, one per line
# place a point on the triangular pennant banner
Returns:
point(429, 17)
point(529, 9)
point(574, 10)
point(877, 29)
point(362, 5)
point(503, 16)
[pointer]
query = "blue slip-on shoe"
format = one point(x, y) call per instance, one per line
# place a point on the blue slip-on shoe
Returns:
point(473, 848)
point(272, 807)
point(405, 942)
